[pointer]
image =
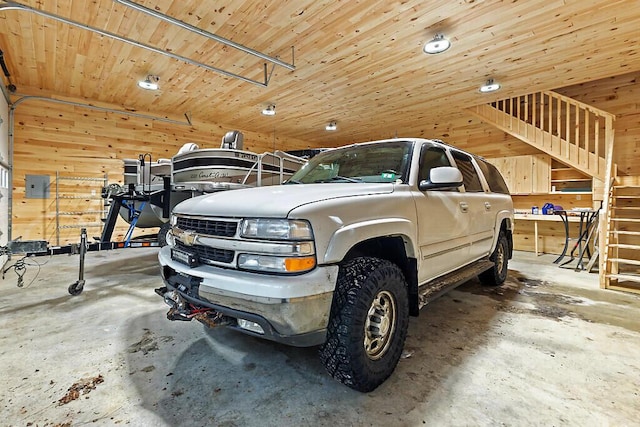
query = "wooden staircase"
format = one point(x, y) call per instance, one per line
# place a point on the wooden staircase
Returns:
point(581, 137)
point(622, 244)
point(570, 131)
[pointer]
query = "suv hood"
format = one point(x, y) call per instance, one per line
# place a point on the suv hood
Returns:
point(274, 201)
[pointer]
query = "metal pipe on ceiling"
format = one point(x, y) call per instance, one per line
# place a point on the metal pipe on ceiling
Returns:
point(9, 5)
point(204, 33)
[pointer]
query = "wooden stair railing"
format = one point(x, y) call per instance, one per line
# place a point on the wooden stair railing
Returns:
point(570, 131)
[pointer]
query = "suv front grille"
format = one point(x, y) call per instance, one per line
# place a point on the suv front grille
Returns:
point(208, 227)
point(206, 254)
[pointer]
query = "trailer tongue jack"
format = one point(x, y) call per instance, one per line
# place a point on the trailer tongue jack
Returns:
point(76, 287)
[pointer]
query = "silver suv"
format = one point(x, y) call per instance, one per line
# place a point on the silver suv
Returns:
point(340, 256)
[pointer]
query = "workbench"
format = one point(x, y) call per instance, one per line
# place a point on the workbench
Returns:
point(539, 217)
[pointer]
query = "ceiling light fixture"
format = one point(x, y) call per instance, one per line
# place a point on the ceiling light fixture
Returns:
point(332, 126)
point(489, 86)
point(270, 110)
point(438, 45)
point(151, 82)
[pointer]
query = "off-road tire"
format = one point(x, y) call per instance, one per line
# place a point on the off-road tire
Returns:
point(371, 294)
point(162, 234)
point(497, 274)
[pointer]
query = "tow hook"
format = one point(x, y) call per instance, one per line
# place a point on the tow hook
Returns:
point(179, 309)
point(174, 314)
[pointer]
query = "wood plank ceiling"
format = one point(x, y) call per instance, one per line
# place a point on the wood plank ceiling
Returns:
point(358, 62)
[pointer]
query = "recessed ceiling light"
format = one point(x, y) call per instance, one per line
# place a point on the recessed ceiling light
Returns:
point(151, 82)
point(332, 126)
point(489, 86)
point(438, 45)
point(270, 110)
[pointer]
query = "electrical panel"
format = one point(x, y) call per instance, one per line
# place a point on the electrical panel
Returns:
point(37, 186)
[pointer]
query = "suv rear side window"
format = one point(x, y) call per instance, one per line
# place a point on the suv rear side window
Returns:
point(470, 177)
point(493, 177)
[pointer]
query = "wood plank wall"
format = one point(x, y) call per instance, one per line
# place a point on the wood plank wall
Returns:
point(81, 142)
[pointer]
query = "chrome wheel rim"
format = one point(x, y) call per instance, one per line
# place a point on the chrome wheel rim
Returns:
point(380, 325)
point(500, 258)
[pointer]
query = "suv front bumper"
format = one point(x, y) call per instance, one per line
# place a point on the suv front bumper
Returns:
point(290, 309)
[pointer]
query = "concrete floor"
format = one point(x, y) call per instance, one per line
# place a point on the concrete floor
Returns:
point(547, 348)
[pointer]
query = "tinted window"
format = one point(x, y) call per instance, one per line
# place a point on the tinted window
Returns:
point(493, 177)
point(470, 177)
point(431, 157)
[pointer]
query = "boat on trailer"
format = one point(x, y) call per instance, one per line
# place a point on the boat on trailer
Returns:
point(239, 167)
point(152, 189)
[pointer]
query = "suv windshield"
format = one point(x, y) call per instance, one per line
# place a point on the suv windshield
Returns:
point(377, 162)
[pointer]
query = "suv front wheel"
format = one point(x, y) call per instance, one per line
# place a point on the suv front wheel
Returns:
point(368, 323)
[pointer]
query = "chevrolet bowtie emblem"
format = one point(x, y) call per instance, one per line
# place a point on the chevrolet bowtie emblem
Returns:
point(189, 238)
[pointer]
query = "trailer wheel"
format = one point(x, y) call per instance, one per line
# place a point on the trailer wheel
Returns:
point(368, 323)
point(162, 234)
point(76, 288)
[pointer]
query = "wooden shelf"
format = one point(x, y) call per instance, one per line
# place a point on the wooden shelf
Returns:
point(563, 177)
point(588, 193)
point(554, 193)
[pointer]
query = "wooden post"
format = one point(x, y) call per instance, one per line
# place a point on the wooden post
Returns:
point(605, 220)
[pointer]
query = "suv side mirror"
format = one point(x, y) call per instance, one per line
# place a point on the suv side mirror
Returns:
point(442, 177)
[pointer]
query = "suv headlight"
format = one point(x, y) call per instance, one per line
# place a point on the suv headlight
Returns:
point(295, 253)
point(276, 229)
point(171, 241)
point(276, 264)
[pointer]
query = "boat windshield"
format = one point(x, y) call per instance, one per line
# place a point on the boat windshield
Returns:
point(375, 162)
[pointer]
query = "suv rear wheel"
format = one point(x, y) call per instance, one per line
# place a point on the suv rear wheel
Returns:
point(497, 274)
point(368, 323)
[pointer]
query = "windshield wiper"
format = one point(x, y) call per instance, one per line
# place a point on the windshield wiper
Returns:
point(292, 181)
point(339, 178)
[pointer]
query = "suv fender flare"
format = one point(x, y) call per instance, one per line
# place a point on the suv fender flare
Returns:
point(503, 217)
point(350, 235)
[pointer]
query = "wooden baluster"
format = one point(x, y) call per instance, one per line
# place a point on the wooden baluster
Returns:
point(559, 125)
point(518, 112)
point(587, 138)
point(567, 127)
point(542, 117)
point(533, 110)
point(596, 138)
point(577, 129)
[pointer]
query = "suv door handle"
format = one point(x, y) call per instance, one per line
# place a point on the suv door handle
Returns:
point(464, 207)
point(487, 206)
